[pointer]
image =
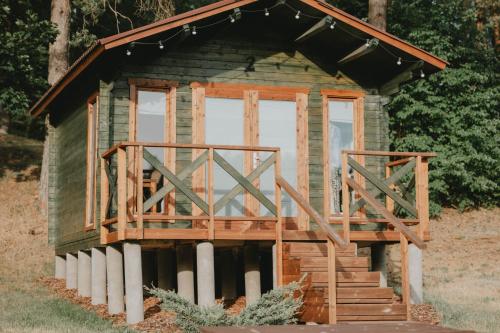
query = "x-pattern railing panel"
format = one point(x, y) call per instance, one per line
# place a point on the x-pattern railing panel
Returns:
point(112, 180)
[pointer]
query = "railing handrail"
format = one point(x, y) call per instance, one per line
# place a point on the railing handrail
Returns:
point(124, 144)
point(302, 202)
point(389, 153)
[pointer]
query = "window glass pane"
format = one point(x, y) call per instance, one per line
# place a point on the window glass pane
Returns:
point(278, 128)
point(224, 126)
point(151, 110)
point(340, 132)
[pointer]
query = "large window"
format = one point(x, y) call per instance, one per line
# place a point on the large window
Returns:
point(343, 130)
point(92, 138)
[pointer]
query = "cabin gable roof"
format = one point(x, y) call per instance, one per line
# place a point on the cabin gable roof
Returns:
point(106, 44)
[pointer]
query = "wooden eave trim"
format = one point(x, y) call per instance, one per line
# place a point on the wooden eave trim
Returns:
point(236, 90)
point(376, 33)
point(152, 83)
point(172, 22)
point(78, 66)
point(342, 93)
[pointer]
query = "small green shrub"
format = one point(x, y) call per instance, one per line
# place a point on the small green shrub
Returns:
point(276, 307)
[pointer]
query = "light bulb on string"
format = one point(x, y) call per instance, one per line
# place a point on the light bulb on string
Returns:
point(160, 45)
point(297, 16)
point(367, 44)
point(128, 52)
point(266, 12)
point(129, 49)
point(399, 61)
point(193, 30)
point(422, 74)
point(332, 26)
point(231, 18)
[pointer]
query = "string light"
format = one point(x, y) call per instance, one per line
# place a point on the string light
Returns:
point(267, 12)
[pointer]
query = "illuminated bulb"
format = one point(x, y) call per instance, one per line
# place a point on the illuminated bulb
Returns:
point(399, 61)
point(332, 26)
point(231, 18)
point(422, 74)
point(160, 45)
point(128, 52)
point(298, 15)
point(367, 43)
point(266, 12)
point(193, 30)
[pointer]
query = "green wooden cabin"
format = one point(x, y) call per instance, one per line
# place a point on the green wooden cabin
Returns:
point(250, 126)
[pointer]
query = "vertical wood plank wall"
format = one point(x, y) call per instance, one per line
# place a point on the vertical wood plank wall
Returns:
point(216, 60)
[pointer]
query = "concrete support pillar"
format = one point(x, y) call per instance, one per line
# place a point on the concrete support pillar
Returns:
point(114, 269)
point(133, 282)
point(98, 276)
point(185, 276)
point(205, 273)
point(415, 274)
point(84, 274)
point(252, 274)
point(379, 262)
point(71, 271)
point(60, 267)
point(228, 275)
point(165, 268)
point(275, 266)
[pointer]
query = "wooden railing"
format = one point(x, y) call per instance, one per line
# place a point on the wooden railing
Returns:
point(390, 197)
point(123, 189)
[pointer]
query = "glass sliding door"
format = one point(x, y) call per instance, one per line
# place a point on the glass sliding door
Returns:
point(340, 137)
point(224, 125)
point(278, 128)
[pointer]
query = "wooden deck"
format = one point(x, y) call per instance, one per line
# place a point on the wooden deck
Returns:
point(359, 327)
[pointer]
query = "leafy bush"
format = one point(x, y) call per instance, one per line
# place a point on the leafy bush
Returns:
point(276, 307)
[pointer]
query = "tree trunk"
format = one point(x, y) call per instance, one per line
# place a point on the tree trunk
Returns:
point(58, 64)
point(377, 13)
point(58, 51)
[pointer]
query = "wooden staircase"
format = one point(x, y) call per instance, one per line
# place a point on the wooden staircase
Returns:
point(359, 295)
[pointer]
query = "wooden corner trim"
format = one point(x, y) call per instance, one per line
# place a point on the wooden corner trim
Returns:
point(236, 90)
point(152, 83)
point(342, 93)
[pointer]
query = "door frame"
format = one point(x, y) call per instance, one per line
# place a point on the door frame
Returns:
point(357, 97)
point(251, 94)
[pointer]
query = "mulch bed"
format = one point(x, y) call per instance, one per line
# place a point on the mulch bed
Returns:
point(157, 320)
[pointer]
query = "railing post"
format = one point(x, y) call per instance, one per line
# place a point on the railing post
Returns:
point(122, 192)
point(389, 203)
point(332, 283)
point(422, 195)
point(104, 200)
point(405, 280)
point(345, 199)
point(139, 196)
point(211, 222)
point(279, 222)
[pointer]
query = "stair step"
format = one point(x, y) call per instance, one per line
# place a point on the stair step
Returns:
point(372, 318)
point(343, 264)
point(371, 310)
point(368, 293)
point(365, 300)
point(317, 249)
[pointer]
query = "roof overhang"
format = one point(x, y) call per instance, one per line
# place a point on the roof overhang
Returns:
point(105, 44)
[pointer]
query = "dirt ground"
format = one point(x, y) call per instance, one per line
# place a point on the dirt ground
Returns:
point(461, 264)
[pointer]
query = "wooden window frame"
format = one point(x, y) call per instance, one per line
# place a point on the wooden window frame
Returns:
point(170, 133)
point(91, 152)
point(357, 97)
point(251, 95)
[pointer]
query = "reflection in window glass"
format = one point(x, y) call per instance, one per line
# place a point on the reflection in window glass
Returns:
point(278, 128)
point(224, 126)
point(151, 110)
point(340, 131)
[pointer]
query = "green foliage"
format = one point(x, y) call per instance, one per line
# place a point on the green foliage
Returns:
point(276, 307)
point(24, 37)
point(456, 112)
